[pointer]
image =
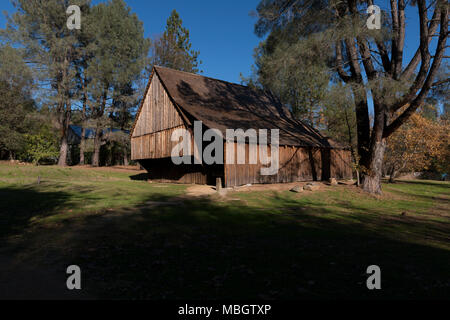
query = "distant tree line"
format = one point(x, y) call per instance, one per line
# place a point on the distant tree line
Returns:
point(52, 76)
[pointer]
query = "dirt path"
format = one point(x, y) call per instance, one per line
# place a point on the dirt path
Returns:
point(199, 191)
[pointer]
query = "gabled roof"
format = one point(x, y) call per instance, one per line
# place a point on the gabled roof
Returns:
point(223, 105)
point(90, 132)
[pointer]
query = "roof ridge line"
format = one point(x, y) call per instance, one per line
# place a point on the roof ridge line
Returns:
point(199, 75)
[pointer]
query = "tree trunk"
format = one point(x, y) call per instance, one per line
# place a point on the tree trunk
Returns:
point(392, 174)
point(99, 131)
point(371, 178)
point(384, 173)
point(97, 145)
point(83, 129)
point(64, 148)
point(82, 145)
point(63, 151)
point(125, 157)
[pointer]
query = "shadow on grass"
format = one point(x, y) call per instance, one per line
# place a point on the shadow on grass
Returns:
point(18, 206)
point(140, 177)
point(208, 249)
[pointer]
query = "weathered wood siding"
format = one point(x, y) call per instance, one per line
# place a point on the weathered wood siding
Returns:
point(295, 164)
point(158, 112)
point(341, 164)
point(156, 122)
point(154, 145)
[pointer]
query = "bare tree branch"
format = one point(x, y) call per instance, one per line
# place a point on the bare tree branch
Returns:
point(440, 49)
point(438, 83)
point(399, 40)
point(363, 46)
point(425, 57)
point(339, 63)
point(434, 23)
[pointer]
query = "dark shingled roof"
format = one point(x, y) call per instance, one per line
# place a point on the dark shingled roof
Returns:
point(223, 105)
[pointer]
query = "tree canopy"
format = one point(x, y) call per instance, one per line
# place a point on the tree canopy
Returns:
point(173, 49)
point(309, 36)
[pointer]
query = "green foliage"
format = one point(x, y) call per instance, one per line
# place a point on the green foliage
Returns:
point(296, 74)
point(118, 49)
point(440, 92)
point(98, 65)
point(305, 36)
point(338, 115)
point(173, 48)
point(116, 58)
point(40, 27)
point(16, 104)
point(40, 147)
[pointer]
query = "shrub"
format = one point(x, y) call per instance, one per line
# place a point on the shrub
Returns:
point(40, 147)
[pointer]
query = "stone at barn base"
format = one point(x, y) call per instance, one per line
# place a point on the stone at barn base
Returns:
point(333, 181)
point(296, 189)
point(348, 182)
point(311, 186)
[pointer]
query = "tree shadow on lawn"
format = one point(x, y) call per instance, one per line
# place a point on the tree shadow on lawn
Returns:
point(18, 206)
point(209, 249)
point(140, 177)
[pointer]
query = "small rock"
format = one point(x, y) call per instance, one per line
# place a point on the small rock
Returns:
point(296, 189)
point(311, 187)
point(333, 181)
point(347, 182)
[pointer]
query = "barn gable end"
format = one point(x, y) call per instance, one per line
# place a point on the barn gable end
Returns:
point(158, 112)
point(156, 120)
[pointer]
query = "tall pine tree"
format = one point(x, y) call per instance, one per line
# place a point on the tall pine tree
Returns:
point(51, 49)
point(118, 56)
point(173, 48)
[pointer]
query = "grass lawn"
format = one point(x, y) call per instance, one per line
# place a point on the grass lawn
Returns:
point(139, 240)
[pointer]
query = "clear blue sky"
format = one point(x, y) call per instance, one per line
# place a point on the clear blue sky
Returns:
point(222, 30)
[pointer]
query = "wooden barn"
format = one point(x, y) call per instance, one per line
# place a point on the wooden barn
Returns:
point(175, 99)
